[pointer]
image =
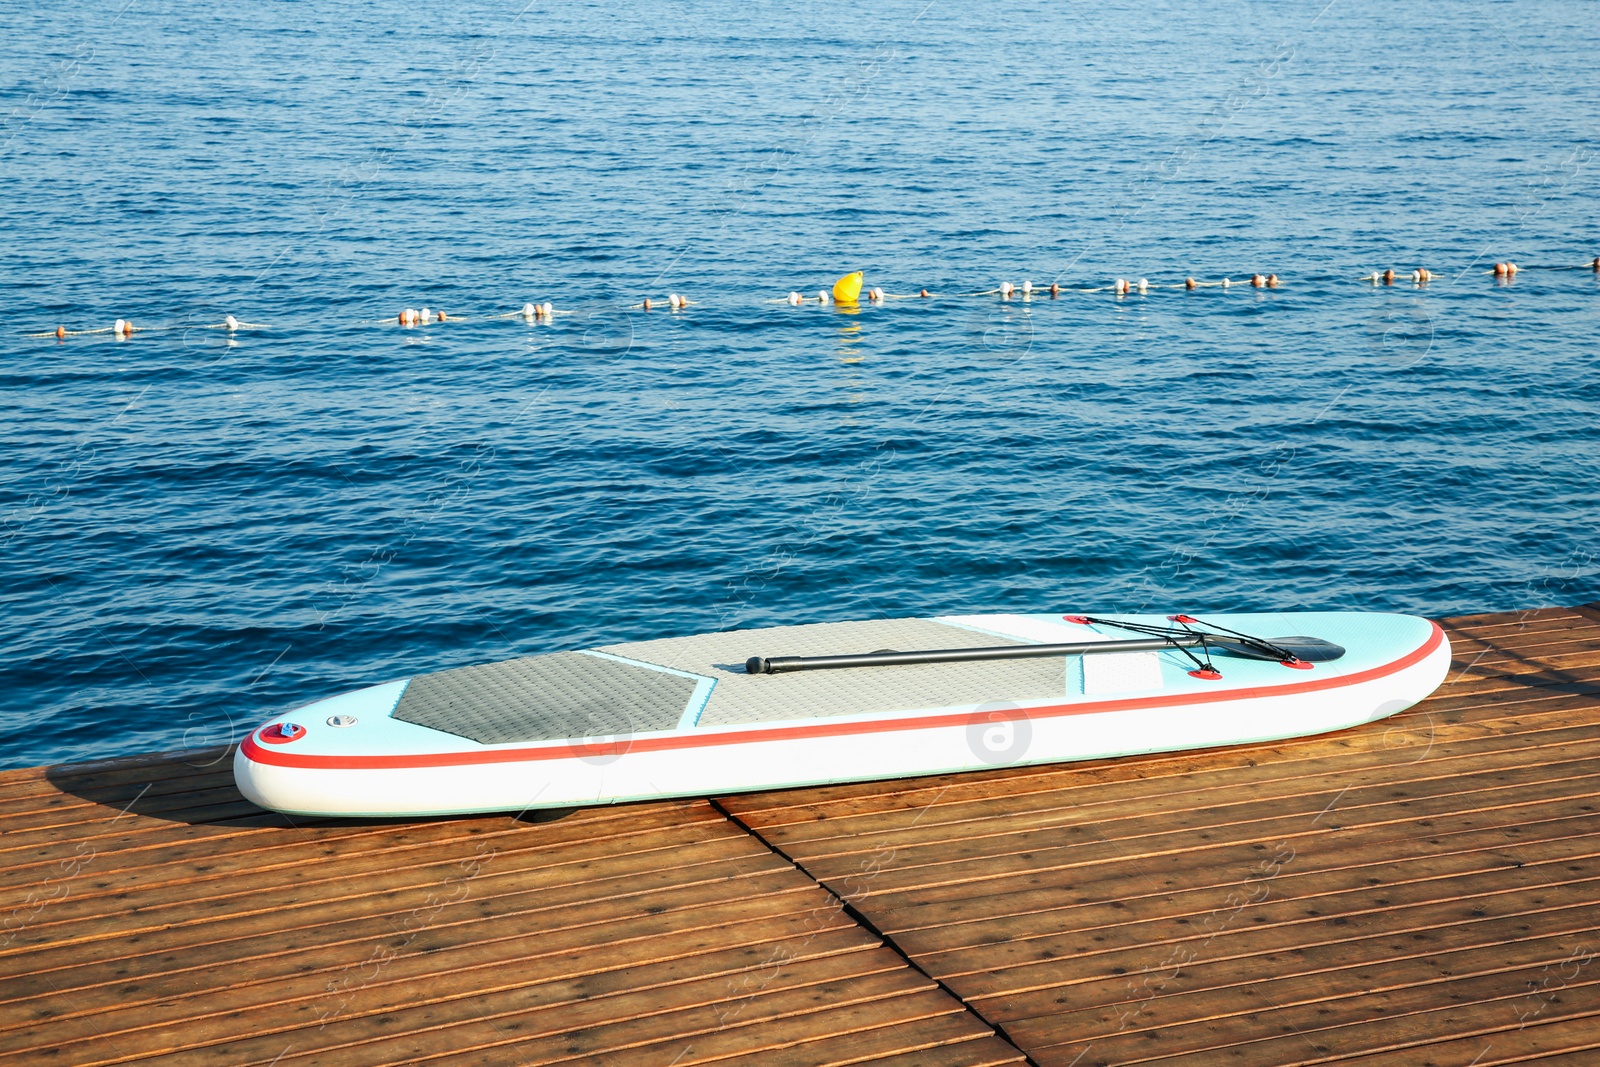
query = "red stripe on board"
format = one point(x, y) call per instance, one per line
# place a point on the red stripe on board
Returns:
point(281, 758)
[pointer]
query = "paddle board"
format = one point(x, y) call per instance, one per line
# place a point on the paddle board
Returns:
point(832, 702)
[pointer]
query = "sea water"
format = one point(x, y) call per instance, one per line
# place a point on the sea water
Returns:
point(202, 529)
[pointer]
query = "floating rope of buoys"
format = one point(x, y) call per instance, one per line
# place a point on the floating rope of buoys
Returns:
point(122, 329)
point(845, 287)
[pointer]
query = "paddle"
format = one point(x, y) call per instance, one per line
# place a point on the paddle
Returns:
point(1291, 651)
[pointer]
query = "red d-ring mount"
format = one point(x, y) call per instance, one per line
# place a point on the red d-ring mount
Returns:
point(1182, 618)
point(282, 733)
point(1208, 675)
point(1081, 620)
point(1297, 664)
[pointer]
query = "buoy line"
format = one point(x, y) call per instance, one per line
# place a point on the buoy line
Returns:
point(845, 292)
point(125, 328)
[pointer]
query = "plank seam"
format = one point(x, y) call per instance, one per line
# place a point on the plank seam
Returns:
point(861, 920)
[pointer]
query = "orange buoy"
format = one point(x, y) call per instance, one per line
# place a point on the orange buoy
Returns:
point(443, 317)
point(924, 294)
point(1272, 281)
point(1188, 283)
point(1511, 268)
point(1388, 276)
point(1499, 270)
point(1595, 266)
point(646, 304)
point(1055, 290)
point(1258, 280)
point(61, 333)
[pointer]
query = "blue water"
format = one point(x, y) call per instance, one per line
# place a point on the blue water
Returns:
point(199, 531)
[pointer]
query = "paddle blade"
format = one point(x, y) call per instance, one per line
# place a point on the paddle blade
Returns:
point(1310, 649)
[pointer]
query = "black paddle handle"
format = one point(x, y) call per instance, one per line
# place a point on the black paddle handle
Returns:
point(784, 664)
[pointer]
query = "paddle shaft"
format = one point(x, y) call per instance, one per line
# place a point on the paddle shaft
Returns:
point(784, 664)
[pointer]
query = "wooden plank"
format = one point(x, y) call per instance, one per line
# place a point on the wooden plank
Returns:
point(635, 1033)
point(1129, 989)
point(318, 995)
point(629, 892)
point(318, 901)
point(1148, 797)
point(1320, 1034)
point(894, 866)
point(1235, 929)
point(419, 924)
point(1066, 1015)
point(537, 1009)
point(204, 850)
point(1258, 877)
point(1056, 893)
point(1572, 1042)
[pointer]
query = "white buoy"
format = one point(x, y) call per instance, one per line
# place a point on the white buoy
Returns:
point(1005, 290)
point(425, 315)
point(794, 299)
point(674, 300)
point(529, 311)
point(1144, 285)
point(875, 294)
point(1227, 282)
point(119, 327)
point(1119, 286)
point(1027, 287)
point(823, 298)
point(549, 310)
point(231, 323)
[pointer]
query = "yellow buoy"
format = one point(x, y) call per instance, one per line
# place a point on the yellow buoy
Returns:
point(847, 289)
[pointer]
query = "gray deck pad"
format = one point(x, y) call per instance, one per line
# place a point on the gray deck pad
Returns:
point(546, 698)
point(744, 698)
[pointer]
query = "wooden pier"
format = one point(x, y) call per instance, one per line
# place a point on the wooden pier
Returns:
point(1422, 890)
